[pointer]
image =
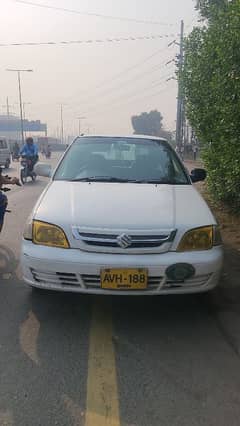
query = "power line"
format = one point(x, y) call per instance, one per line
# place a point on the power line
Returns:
point(123, 84)
point(89, 41)
point(154, 85)
point(133, 99)
point(137, 77)
point(127, 70)
point(95, 15)
point(138, 64)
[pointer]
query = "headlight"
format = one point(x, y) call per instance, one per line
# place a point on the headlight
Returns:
point(45, 234)
point(203, 238)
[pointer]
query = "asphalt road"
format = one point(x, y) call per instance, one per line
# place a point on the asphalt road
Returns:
point(94, 361)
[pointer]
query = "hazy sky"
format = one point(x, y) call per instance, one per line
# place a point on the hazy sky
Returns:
point(92, 80)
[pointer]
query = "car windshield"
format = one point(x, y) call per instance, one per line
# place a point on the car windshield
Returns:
point(121, 160)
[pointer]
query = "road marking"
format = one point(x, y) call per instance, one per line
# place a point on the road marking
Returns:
point(6, 418)
point(102, 393)
point(29, 331)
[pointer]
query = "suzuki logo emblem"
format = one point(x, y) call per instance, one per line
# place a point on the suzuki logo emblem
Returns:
point(124, 241)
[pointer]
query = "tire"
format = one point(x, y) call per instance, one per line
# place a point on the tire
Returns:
point(23, 176)
point(7, 164)
point(34, 176)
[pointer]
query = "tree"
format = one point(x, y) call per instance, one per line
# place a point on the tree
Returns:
point(147, 123)
point(211, 85)
point(208, 8)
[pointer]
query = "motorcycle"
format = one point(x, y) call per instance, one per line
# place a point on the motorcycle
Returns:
point(3, 199)
point(27, 170)
point(3, 206)
point(15, 156)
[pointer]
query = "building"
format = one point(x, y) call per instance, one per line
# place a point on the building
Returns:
point(10, 128)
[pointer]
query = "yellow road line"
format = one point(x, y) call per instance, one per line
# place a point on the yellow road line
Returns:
point(102, 393)
point(6, 418)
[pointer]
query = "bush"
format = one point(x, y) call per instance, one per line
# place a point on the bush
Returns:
point(211, 84)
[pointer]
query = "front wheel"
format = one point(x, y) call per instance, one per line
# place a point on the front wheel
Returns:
point(7, 164)
point(23, 176)
point(34, 176)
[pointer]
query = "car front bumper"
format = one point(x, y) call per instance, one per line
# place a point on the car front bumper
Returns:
point(78, 271)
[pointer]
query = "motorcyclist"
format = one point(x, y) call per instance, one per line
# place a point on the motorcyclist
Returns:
point(30, 152)
point(5, 180)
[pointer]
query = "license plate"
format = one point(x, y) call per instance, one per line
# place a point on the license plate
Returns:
point(124, 279)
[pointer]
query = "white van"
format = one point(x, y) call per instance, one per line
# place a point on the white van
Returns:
point(5, 153)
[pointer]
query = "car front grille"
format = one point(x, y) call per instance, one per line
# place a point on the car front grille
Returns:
point(55, 278)
point(137, 241)
point(93, 282)
point(122, 241)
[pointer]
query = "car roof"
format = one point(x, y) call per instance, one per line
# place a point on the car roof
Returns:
point(125, 136)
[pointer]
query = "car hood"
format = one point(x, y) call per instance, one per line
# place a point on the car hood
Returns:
point(122, 206)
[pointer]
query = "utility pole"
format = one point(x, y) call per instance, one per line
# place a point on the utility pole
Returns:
point(180, 100)
point(24, 115)
point(8, 113)
point(79, 124)
point(8, 107)
point(62, 128)
point(21, 106)
point(20, 96)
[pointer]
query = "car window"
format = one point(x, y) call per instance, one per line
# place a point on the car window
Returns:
point(126, 159)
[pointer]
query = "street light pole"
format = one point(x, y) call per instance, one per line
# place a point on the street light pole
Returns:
point(20, 97)
point(24, 114)
point(62, 129)
point(79, 124)
point(21, 106)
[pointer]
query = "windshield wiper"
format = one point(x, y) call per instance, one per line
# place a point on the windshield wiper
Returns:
point(156, 181)
point(121, 180)
point(100, 179)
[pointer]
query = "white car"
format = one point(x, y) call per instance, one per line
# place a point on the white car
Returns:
point(121, 216)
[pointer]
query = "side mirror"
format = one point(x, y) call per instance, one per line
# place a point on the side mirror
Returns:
point(198, 175)
point(43, 169)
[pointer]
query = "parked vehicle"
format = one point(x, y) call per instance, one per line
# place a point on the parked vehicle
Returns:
point(27, 170)
point(121, 216)
point(5, 153)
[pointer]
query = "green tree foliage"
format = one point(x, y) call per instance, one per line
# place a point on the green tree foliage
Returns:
point(211, 85)
point(208, 8)
point(147, 123)
point(150, 124)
